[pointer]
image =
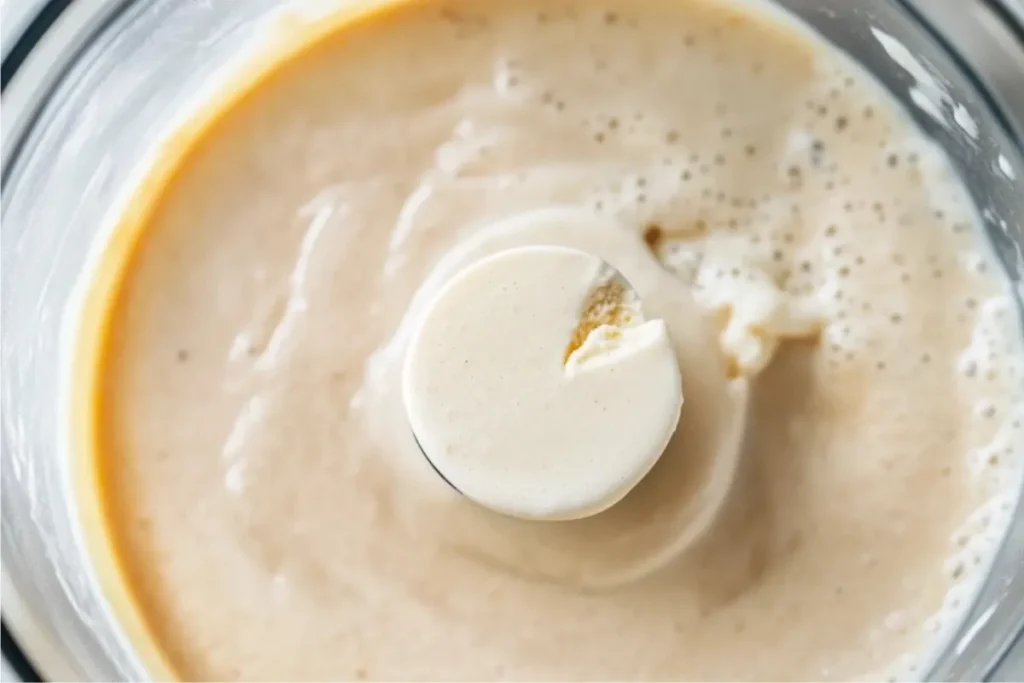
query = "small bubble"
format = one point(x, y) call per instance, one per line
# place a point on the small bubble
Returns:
point(841, 123)
point(672, 137)
point(611, 18)
point(893, 161)
point(751, 150)
point(896, 318)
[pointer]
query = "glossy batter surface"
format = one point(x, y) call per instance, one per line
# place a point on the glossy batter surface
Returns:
point(271, 512)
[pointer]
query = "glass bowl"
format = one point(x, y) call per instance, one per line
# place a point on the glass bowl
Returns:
point(111, 76)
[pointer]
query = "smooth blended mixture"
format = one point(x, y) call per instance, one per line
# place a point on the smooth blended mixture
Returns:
point(270, 511)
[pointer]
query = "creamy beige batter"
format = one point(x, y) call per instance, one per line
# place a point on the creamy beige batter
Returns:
point(266, 503)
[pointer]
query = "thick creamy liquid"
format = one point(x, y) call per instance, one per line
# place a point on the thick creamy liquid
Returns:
point(271, 513)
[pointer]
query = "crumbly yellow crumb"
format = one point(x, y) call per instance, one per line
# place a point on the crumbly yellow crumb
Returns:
point(604, 305)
